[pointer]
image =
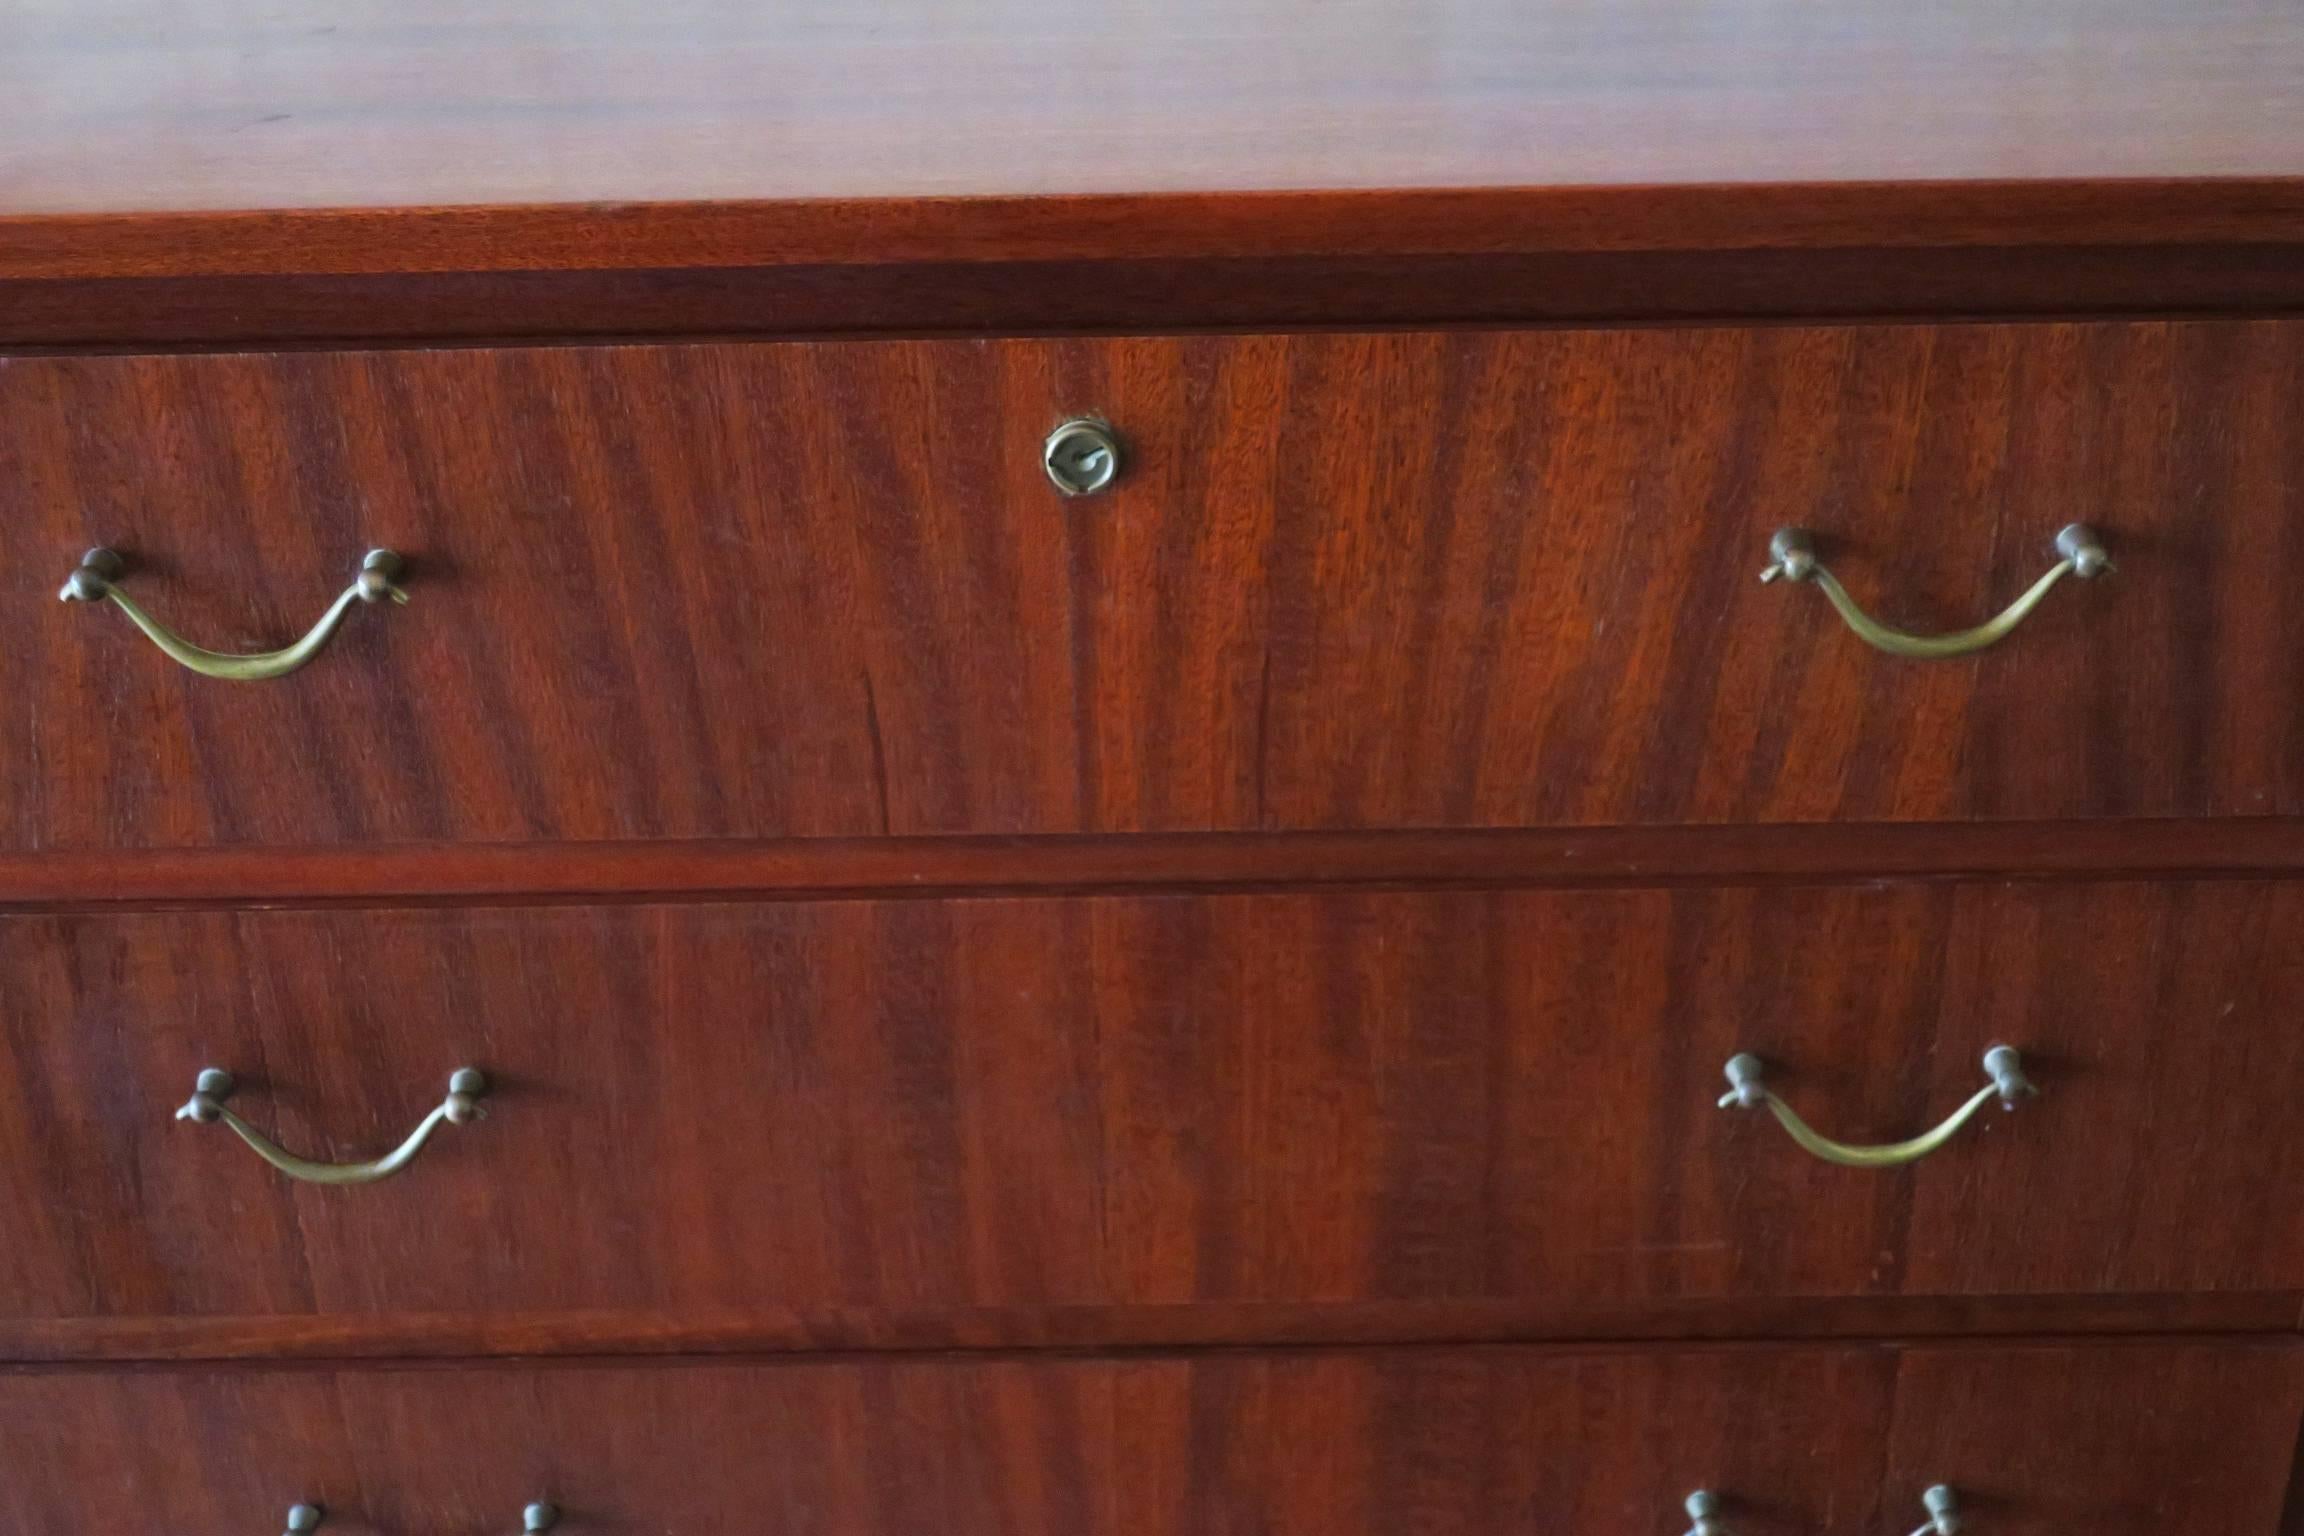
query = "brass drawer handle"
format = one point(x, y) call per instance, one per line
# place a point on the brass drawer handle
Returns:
point(99, 571)
point(1941, 1503)
point(465, 1088)
point(1746, 1091)
point(303, 1518)
point(1792, 555)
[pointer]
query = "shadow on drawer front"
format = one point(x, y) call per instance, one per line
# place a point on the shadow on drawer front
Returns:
point(1788, 1441)
point(1339, 582)
point(859, 1112)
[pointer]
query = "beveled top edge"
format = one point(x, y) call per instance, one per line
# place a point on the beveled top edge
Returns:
point(1407, 222)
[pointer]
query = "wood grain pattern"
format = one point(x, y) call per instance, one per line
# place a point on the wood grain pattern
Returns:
point(1460, 1441)
point(887, 1110)
point(1355, 581)
point(2024, 1434)
point(219, 104)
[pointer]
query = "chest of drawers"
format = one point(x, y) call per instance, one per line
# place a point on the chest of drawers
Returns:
point(1478, 769)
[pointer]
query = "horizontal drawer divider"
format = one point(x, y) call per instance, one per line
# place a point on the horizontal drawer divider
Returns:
point(1104, 1329)
point(2210, 848)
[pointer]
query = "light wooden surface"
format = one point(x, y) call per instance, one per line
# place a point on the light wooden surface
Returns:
point(141, 105)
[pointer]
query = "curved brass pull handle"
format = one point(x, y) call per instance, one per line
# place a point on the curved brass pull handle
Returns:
point(1746, 1091)
point(304, 1518)
point(1792, 555)
point(1941, 1503)
point(465, 1087)
point(99, 569)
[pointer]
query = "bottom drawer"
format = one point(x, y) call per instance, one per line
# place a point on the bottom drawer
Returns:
point(2113, 1439)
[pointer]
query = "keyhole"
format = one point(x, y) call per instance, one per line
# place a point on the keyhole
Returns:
point(1082, 457)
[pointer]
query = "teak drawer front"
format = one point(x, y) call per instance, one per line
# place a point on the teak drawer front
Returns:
point(2143, 1440)
point(1345, 581)
point(854, 1119)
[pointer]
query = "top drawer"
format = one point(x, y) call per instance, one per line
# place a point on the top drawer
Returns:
point(1343, 581)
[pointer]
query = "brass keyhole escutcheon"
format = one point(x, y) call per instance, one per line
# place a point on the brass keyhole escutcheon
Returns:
point(1082, 457)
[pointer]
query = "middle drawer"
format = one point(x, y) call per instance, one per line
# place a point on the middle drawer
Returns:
point(880, 1109)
